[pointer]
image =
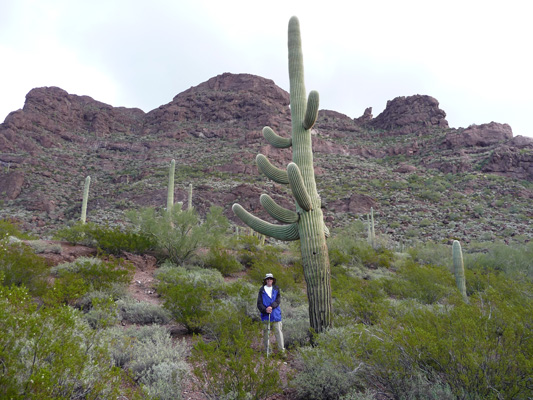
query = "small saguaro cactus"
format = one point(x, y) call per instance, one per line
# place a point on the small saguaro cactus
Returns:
point(371, 230)
point(170, 190)
point(307, 222)
point(189, 205)
point(459, 268)
point(83, 217)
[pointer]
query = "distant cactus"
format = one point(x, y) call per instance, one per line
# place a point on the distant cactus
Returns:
point(83, 217)
point(170, 190)
point(459, 268)
point(371, 230)
point(189, 205)
point(307, 222)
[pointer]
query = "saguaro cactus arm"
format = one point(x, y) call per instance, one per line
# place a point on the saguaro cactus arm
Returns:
point(311, 113)
point(298, 187)
point(280, 232)
point(274, 173)
point(275, 140)
point(278, 212)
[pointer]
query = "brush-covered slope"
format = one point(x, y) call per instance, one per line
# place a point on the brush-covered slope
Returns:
point(423, 179)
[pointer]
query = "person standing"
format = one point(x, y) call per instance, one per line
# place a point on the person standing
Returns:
point(268, 301)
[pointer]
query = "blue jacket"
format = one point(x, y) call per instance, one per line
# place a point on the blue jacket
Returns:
point(264, 300)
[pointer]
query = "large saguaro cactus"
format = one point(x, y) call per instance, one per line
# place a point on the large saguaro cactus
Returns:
point(307, 222)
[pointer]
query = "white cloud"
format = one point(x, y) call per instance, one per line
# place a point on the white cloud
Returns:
point(473, 56)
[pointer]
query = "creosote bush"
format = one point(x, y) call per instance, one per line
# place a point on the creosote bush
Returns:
point(244, 375)
point(19, 266)
point(51, 353)
point(151, 358)
point(178, 234)
point(112, 240)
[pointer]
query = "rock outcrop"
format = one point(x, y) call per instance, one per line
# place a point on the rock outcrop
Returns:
point(479, 135)
point(513, 159)
point(413, 114)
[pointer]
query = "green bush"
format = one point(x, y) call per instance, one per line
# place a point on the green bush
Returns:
point(142, 312)
point(356, 300)
point(244, 375)
point(113, 240)
point(426, 283)
point(516, 261)
point(329, 369)
point(75, 279)
point(51, 353)
point(19, 266)
point(9, 228)
point(189, 295)
point(179, 234)
point(150, 356)
point(222, 260)
point(480, 350)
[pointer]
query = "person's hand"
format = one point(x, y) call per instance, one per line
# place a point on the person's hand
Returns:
point(269, 310)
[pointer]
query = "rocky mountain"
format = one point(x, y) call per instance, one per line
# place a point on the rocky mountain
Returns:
point(423, 179)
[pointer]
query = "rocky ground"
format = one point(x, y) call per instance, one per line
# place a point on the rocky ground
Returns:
point(424, 180)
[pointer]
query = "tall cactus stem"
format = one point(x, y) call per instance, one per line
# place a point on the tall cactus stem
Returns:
point(170, 189)
point(83, 217)
point(300, 174)
point(189, 204)
point(459, 269)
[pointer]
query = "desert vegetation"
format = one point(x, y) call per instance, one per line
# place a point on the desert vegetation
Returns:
point(401, 327)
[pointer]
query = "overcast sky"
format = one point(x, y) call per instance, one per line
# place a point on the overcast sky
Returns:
point(475, 57)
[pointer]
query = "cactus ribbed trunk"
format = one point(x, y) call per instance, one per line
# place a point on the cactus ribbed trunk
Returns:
point(83, 217)
point(314, 250)
point(170, 189)
point(459, 269)
point(307, 223)
point(189, 204)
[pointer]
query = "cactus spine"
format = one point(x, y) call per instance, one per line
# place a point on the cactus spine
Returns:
point(170, 192)
point(459, 268)
point(83, 217)
point(307, 223)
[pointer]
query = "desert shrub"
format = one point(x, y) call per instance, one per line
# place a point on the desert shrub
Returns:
point(152, 359)
point(425, 283)
point(51, 353)
point(20, 266)
point(243, 295)
point(480, 350)
point(103, 313)
point(113, 240)
point(295, 324)
point(142, 312)
point(75, 279)
point(179, 234)
point(10, 228)
point(432, 253)
point(222, 260)
point(356, 300)
point(244, 375)
point(515, 261)
point(268, 260)
point(42, 246)
point(329, 369)
point(189, 295)
point(346, 248)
